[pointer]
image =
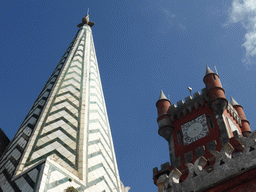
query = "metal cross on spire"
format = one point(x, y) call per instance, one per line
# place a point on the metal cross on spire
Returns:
point(85, 20)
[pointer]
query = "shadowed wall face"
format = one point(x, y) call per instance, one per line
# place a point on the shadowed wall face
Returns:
point(4, 142)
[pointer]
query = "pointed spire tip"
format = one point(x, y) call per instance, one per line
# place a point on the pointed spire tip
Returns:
point(208, 70)
point(162, 95)
point(233, 102)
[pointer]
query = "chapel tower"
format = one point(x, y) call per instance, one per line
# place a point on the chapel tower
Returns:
point(210, 142)
point(65, 141)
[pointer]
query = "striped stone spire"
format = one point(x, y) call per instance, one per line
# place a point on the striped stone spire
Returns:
point(65, 140)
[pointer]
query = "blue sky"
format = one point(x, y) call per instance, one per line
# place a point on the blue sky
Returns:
point(142, 47)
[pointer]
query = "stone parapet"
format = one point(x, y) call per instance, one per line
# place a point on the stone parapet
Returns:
point(227, 165)
point(182, 107)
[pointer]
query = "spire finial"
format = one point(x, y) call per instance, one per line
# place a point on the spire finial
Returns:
point(86, 21)
point(233, 102)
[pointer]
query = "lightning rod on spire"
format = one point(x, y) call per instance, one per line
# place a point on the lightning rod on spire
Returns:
point(190, 90)
point(88, 11)
point(215, 69)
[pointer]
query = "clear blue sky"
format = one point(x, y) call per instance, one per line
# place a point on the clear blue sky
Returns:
point(142, 47)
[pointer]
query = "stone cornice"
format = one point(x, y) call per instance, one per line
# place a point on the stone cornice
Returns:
point(227, 165)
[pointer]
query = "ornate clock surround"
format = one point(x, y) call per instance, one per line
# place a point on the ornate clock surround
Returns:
point(195, 129)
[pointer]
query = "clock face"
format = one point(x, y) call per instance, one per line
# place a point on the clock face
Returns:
point(194, 129)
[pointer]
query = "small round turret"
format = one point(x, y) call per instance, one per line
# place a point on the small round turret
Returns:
point(164, 121)
point(215, 91)
point(245, 128)
point(163, 104)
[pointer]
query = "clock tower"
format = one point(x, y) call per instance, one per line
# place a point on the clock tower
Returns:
point(199, 131)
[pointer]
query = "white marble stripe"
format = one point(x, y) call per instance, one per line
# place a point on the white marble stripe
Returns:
point(71, 81)
point(78, 78)
point(57, 134)
point(57, 124)
point(54, 146)
point(76, 70)
point(67, 105)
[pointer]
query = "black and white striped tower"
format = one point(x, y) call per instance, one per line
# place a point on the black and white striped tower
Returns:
point(65, 141)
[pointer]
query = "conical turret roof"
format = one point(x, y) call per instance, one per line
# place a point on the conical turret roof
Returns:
point(208, 70)
point(233, 102)
point(162, 96)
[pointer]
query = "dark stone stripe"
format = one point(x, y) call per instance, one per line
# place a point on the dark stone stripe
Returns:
point(63, 109)
point(94, 154)
point(90, 169)
point(56, 183)
point(90, 79)
point(25, 136)
point(9, 151)
point(13, 161)
point(100, 153)
point(108, 184)
point(68, 92)
point(13, 184)
point(71, 79)
point(74, 72)
point(20, 149)
point(58, 129)
point(99, 166)
point(59, 141)
point(77, 53)
point(93, 142)
point(93, 102)
point(96, 76)
point(80, 62)
point(94, 182)
point(27, 118)
point(98, 131)
point(70, 85)
point(75, 66)
point(96, 111)
point(63, 119)
point(34, 108)
point(96, 88)
point(99, 141)
point(50, 153)
point(29, 181)
point(43, 98)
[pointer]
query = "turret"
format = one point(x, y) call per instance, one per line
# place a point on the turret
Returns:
point(245, 128)
point(215, 91)
point(163, 120)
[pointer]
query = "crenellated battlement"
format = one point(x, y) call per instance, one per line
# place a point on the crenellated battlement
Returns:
point(227, 165)
point(182, 107)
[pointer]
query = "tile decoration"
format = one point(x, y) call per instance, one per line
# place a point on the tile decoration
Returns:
point(59, 132)
point(26, 182)
point(70, 107)
point(12, 155)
